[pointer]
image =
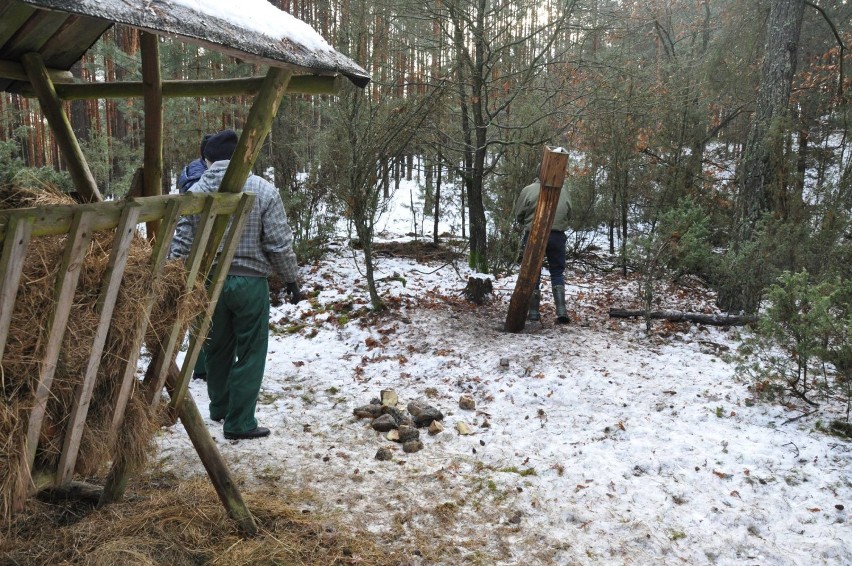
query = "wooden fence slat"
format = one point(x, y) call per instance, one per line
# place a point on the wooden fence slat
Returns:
point(11, 264)
point(216, 284)
point(69, 272)
point(158, 256)
point(106, 304)
point(118, 476)
point(163, 356)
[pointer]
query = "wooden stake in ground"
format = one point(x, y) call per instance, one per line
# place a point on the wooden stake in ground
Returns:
point(551, 175)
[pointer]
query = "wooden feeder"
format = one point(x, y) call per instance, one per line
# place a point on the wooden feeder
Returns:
point(41, 40)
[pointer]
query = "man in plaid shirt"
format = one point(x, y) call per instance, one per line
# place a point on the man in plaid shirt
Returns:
point(236, 346)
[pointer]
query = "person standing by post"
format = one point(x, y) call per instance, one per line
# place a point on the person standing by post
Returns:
point(523, 213)
point(239, 336)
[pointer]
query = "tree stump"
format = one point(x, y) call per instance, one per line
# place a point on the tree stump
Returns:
point(477, 289)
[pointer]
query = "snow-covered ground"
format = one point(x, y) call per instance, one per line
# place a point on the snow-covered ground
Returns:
point(591, 443)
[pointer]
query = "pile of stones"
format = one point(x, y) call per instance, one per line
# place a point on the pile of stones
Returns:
point(401, 426)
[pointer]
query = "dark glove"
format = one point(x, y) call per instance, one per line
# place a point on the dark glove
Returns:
point(292, 289)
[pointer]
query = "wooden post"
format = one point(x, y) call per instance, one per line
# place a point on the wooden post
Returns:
point(258, 124)
point(552, 175)
point(211, 458)
point(15, 247)
point(152, 85)
point(84, 182)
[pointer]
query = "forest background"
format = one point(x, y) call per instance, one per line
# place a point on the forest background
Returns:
point(708, 137)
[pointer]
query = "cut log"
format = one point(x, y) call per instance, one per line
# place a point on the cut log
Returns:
point(676, 316)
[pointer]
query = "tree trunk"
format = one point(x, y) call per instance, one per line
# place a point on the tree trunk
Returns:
point(760, 184)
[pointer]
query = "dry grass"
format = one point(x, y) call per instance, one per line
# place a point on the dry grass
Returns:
point(28, 337)
point(183, 524)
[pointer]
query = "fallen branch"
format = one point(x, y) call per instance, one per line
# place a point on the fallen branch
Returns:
point(675, 316)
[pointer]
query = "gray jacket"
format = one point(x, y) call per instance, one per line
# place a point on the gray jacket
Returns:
point(266, 244)
point(524, 209)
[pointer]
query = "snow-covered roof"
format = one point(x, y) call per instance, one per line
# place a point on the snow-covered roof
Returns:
point(255, 30)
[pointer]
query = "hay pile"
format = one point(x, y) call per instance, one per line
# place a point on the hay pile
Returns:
point(185, 524)
point(28, 336)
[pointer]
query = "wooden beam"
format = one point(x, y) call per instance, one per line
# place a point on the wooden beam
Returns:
point(84, 182)
point(152, 177)
point(301, 84)
point(551, 175)
point(217, 282)
point(11, 267)
point(164, 352)
point(678, 316)
point(257, 126)
point(211, 458)
point(66, 284)
point(15, 71)
point(56, 219)
point(105, 307)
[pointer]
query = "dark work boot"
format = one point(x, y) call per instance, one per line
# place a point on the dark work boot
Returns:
point(559, 302)
point(533, 314)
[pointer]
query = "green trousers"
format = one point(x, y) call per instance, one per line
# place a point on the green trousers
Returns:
point(236, 351)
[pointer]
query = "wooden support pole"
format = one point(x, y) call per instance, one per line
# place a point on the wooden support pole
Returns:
point(212, 459)
point(152, 176)
point(84, 182)
point(551, 175)
point(300, 84)
point(258, 124)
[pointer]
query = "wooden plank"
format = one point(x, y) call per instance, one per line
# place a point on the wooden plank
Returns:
point(11, 266)
point(56, 219)
point(552, 175)
point(84, 182)
point(32, 35)
point(152, 178)
point(12, 16)
point(105, 306)
point(217, 282)
point(302, 84)
point(79, 238)
point(158, 257)
point(163, 355)
point(74, 38)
